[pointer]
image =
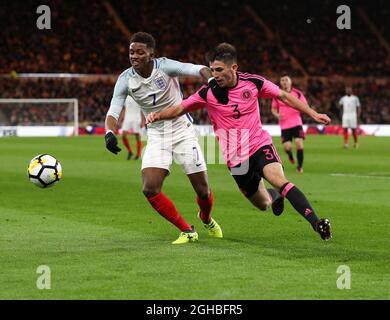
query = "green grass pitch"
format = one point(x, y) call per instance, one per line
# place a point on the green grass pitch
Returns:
point(102, 240)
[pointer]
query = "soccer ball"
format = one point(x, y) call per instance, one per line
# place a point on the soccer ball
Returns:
point(44, 171)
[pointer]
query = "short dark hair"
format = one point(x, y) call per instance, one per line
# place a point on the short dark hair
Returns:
point(145, 38)
point(223, 52)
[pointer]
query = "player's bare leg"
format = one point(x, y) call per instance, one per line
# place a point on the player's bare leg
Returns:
point(199, 181)
point(346, 145)
point(299, 146)
point(274, 174)
point(287, 146)
point(264, 198)
point(125, 141)
point(153, 179)
point(355, 138)
point(261, 199)
point(205, 200)
point(139, 146)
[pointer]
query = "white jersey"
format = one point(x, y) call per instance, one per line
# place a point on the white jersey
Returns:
point(160, 90)
point(350, 105)
point(132, 119)
point(132, 111)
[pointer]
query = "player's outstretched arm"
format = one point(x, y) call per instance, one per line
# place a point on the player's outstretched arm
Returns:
point(111, 140)
point(165, 114)
point(181, 69)
point(206, 74)
point(303, 107)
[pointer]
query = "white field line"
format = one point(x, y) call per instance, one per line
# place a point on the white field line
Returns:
point(359, 176)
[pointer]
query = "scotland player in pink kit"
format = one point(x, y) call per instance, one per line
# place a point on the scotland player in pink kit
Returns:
point(231, 99)
point(290, 122)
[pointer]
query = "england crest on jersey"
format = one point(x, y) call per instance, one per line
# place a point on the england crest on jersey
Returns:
point(160, 82)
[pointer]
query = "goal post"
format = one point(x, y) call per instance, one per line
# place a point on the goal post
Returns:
point(39, 117)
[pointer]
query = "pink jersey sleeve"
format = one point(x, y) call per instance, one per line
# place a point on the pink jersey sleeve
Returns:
point(275, 103)
point(269, 90)
point(194, 102)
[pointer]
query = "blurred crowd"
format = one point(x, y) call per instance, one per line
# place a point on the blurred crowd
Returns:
point(310, 33)
point(301, 40)
point(95, 96)
point(380, 16)
point(373, 95)
point(188, 29)
point(82, 38)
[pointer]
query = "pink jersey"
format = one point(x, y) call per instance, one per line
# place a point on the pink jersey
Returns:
point(235, 114)
point(290, 117)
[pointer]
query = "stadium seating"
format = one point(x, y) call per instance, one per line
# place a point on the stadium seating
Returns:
point(82, 39)
point(85, 39)
point(310, 33)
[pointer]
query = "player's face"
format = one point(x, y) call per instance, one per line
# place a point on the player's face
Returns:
point(224, 74)
point(348, 90)
point(140, 55)
point(285, 83)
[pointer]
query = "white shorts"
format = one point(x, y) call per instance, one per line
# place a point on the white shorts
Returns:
point(349, 122)
point(131, 126)
point(186, 152)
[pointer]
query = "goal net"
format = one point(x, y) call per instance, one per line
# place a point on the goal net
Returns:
point(39, 117)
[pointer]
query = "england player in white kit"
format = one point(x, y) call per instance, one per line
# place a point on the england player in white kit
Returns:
point(132, 123)
point(153, 84)
point(351, 112)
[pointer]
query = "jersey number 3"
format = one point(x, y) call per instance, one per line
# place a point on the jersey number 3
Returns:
point(237, 113)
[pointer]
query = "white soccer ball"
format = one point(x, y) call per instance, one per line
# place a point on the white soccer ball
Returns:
point(44, 171)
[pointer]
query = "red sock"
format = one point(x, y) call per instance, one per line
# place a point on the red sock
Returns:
point(355, 137)
point(126, 143)
point(139, 147)
point(167, 209)
point(205, 207)
point(345, 137)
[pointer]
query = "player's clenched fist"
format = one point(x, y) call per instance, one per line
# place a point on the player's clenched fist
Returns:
point(321, 118)
point(152, 117)
point(112, 143)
